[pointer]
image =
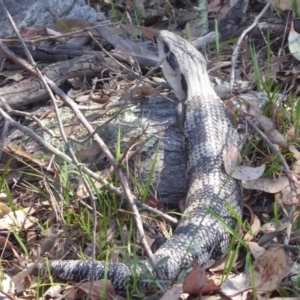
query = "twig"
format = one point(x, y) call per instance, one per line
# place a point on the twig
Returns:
point(39, 75)
point(93, 175)
point(102, 145)
point(239, 42)
point(285, 167)
point(55, 37)
point(111, 56)
point(26, 114)
point(294, 248)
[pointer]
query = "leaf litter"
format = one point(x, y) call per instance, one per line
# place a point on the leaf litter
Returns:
point(267, 274)
point(265, 277)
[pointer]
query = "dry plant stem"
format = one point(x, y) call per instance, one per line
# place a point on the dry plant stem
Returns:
point(219, 65)
point(111, 56)
point(25, 114)
point(105, 122)
point(102, 145)
point(286, 169)
point(294, 248)
point(112, 160)
point(93, 175)
point(78, 113)
point(141, 78)
point(239, 42)
point(283, 37)
point(74, 158)
point(48, 38)
point(122, 178)
point(134, 142)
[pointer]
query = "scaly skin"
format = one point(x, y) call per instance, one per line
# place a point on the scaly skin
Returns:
point(208, 136)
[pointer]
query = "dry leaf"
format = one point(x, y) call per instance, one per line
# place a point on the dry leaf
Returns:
point(270, 269)
point(286, 5)
point(294, 42)
point(210, 287)
point(26, 155)
point(32, 32)
point(268, 273)
point(101, 99)
point(137, 93)
point(252, 108)
point(256, 250)
point(4, 209)
point(272, 133)
point(265, 123)
point(248, 173)
point(52, 32)
point(6, 244)
point(291, 134)
point(7, 286)
point(149, 32)
point(147, 90)
point(27, 271)
point(266, 184)
point(195, 281)
point(53, 292)
point(231, 108)
point(153, 202)
point(271, 235)
point(240, 172)
point(255, 228)
point(98, 289)
point(296, 153)
point(70, 292)
point(285, 195)
point(17, 218)
point(231, 159)
point(236, 285)
point(173, 293)
point(276, 137)
point(221, 264)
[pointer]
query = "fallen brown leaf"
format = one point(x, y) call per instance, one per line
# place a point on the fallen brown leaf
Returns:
point(149, 32)
point(195, 281)
point(240, 172)
point(153, 202)
point(17, 218)
point(270, 269)
point(173, 293)
point(98, 288)
point(255, 227)
point(266, 184)
point(256, 250)
point(268, 272)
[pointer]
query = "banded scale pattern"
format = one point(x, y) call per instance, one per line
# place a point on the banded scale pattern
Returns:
point(209, 134)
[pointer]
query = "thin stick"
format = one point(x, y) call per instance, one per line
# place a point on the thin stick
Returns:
point(39, 75)
point(239, 42)
point(286, 169)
